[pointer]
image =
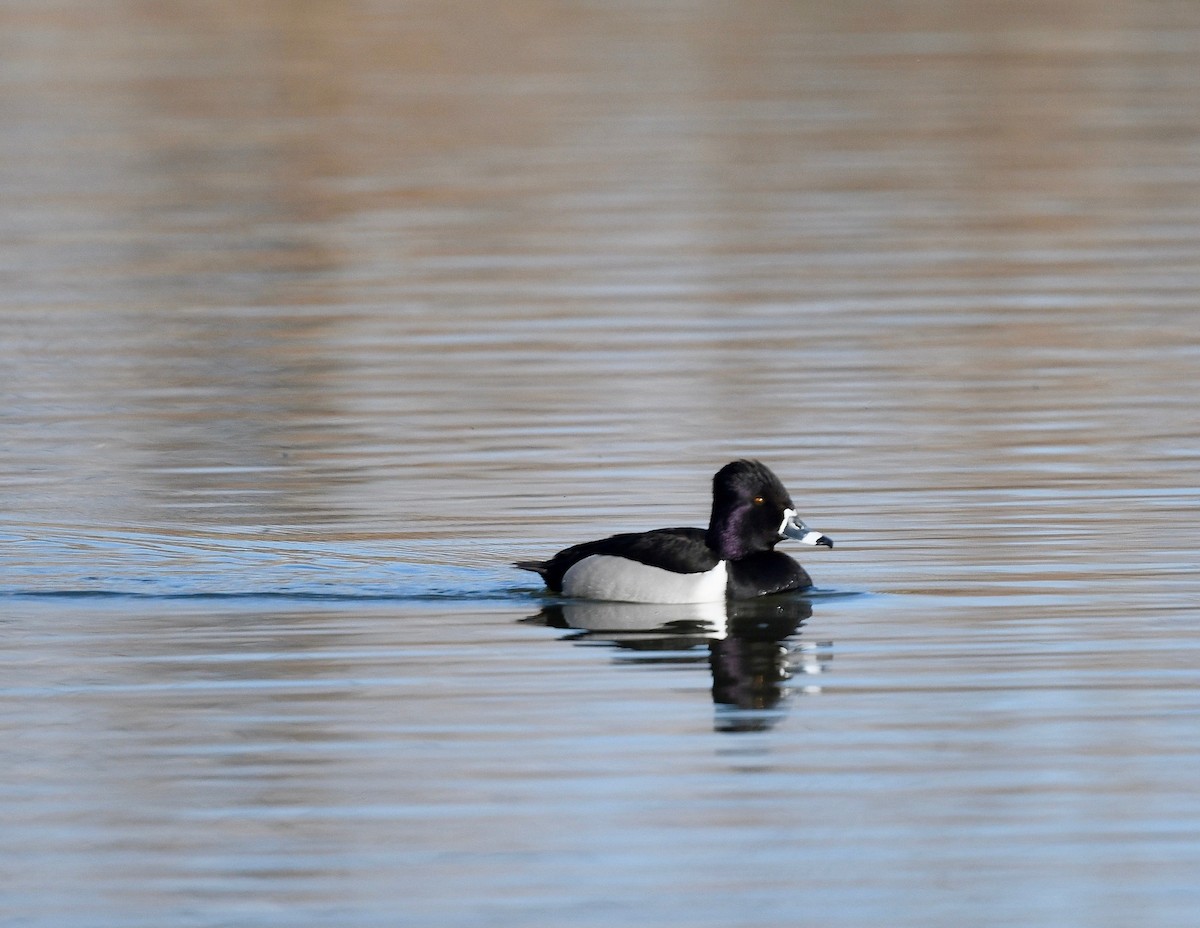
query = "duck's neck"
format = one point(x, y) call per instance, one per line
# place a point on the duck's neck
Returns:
point(723, 538)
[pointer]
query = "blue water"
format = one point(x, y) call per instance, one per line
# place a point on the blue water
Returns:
point(149, 564)
point(450, 761)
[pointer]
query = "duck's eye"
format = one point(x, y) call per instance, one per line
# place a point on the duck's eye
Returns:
point(758, 501)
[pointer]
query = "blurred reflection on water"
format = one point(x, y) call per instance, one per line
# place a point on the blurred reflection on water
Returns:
point(748, 646)
point(332, 311)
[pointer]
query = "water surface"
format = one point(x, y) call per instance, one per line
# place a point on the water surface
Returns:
point(316, 318)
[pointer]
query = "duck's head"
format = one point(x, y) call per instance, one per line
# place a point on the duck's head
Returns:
point(752, 512)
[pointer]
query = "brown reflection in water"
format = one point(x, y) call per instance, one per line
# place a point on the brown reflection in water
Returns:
point(288, 152)
point(797, 219)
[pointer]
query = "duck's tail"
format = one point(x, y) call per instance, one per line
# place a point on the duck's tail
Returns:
point(538, 567)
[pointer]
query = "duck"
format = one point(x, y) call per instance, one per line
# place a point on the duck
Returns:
point(734, 558)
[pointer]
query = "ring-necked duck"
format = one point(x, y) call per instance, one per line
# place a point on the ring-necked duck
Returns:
point(735, 558)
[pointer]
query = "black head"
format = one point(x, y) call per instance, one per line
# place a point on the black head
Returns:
point(752, 511)
point(749, 503)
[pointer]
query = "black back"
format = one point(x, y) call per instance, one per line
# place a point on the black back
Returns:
point(679, 549)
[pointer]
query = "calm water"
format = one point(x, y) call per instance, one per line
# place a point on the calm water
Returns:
point(316, 316)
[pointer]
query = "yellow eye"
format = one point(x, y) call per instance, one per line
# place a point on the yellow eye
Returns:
point(758, 501)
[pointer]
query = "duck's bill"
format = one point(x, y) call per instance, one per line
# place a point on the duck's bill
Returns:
point(792, 527)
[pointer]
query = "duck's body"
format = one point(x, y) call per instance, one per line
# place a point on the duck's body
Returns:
point(733, 558)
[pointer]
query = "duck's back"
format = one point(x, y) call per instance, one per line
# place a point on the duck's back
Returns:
point(676, 550)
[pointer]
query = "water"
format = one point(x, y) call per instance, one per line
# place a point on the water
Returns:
point(317, 317)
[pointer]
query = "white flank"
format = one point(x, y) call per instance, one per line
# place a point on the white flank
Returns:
point(618, 579)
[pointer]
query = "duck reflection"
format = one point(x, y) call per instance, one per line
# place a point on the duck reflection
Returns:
point(752, 647)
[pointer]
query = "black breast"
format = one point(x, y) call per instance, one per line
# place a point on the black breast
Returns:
point(764, 573)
